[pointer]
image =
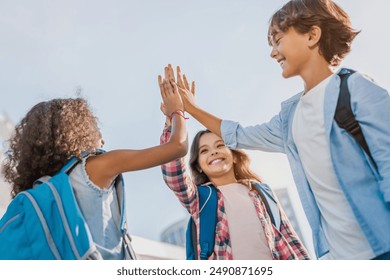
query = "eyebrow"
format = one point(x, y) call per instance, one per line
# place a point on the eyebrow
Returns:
point(272, 37)
point(216, 142)
point(202, 147)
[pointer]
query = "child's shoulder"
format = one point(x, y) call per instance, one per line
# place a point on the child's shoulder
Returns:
point(355, 77)
point(360, 81)
point(293, 98)
point(364, 90)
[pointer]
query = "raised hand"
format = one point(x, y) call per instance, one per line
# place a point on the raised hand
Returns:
point(171, 100)
point(186, 92)
point(169, 73)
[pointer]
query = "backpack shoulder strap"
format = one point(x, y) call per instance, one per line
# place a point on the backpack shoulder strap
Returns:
point(270, 202)
point(65, 169)
point(191, 240)
point(208, 204)
point(344, 116)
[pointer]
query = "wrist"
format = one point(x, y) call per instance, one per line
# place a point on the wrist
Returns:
point(167, 121)
point(190, 108)
point(179, 113)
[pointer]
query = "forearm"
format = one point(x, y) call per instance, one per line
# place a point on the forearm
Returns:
point(210, 121)
point(178, 137)
point(176, 177)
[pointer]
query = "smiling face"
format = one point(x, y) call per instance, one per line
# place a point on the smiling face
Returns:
point(291, 50)
point(215, 159)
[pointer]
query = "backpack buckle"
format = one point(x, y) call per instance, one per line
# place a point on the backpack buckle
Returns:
point(204, 248)
point(352, 126)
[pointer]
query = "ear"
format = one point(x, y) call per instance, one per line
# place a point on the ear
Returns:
point(314, 36)
point(234, 159)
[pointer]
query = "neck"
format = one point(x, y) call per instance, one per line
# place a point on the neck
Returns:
point(223, 180)
point(316, 74)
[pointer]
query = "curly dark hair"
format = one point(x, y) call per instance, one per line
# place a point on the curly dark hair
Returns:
point(46, 138)
point(241, 167)
point(337, 34)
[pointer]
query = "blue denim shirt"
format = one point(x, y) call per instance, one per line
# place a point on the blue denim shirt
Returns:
point(366, 188)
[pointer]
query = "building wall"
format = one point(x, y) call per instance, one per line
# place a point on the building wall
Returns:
point(6, 128)
point(147, 249)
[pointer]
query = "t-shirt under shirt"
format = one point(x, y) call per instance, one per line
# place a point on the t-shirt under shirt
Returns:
point(246, 232)
point(344, 235)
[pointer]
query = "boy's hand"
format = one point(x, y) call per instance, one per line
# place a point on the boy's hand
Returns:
point(187, 94)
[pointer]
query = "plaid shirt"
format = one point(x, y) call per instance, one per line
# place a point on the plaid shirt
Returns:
point(283, 243)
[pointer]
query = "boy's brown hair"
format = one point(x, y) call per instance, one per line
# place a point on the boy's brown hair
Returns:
point(336, 36)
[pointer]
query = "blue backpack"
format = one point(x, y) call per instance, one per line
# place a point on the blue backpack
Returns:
point(45, 222)
point(208, 203)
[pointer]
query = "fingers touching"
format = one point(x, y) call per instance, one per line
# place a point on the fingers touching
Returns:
point(175, 91)
point(171, 100)
point(169, 73)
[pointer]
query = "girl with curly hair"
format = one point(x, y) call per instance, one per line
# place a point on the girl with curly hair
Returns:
point(55, 130)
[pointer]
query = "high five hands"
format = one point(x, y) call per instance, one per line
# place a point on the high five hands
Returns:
point(179, 85)
point(171, 100)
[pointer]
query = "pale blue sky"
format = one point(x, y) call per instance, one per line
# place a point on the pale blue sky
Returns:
point(114, 51)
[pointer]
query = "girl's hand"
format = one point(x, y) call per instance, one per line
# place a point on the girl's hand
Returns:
point(169, 73)
point(164, 111)
point(171, 98)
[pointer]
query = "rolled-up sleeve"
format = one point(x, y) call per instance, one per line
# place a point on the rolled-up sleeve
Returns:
point(178, 180)
point(266, 137)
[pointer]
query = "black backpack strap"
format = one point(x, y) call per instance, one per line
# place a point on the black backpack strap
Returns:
point(344, 115)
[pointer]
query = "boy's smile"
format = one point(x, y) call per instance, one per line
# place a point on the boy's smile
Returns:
point(290, 49)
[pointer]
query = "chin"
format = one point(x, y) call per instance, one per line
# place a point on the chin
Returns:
point(287, 75)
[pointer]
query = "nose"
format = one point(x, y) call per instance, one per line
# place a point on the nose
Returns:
point(214, 152)
point(274, 52)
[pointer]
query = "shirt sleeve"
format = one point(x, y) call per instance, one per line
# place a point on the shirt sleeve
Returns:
point(178, 180)
point(266, 137)
point(371, 106)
